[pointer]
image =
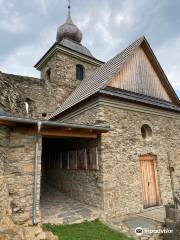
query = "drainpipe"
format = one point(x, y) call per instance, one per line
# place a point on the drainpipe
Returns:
point(36, 172)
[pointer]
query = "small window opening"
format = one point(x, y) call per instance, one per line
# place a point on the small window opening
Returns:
point(44, 114)
point(27, 107)
point(146, 132)
point(48, 74)
point(79, 72)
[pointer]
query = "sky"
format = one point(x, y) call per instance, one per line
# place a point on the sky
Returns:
point(28, 29)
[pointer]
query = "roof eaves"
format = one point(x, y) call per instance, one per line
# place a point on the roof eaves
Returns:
point(143, 99)
point(91, 57)
point(50, 49)
point(65, 47)
point(34, 122)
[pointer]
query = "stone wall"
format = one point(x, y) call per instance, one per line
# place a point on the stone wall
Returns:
point(122, 147)
point(8, 229)
point(4, 194)
point(63, 75)
point(42, 95)
point(122, 180)
point(82, 185)
point(34, 91)
point(19, 170)
point(11, 98)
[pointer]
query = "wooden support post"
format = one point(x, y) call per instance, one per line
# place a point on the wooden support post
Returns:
point(171, 171)
point(60, 160)
point(76, 152)
point(85, 158)
point(68, 160)
point(54, 160)
point(49, 160)
point(97, 159)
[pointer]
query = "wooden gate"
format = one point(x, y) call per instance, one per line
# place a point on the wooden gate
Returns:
point(149, 180)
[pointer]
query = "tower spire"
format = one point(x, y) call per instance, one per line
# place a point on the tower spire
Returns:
point(69, 29)
point(69, 8)
point(69, 20)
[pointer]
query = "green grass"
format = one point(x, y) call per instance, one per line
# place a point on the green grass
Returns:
point(85, 231)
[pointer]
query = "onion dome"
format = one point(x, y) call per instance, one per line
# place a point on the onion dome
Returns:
point(69, 30)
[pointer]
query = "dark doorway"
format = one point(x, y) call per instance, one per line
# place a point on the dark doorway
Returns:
point(69, 177)
point(69, 154)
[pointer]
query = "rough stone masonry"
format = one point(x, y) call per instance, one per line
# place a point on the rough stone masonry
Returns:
point(115, 186)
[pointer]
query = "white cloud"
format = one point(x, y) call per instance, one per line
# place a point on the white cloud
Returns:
point(14, 24)
point(125, 15)
point(43, 5)
point(105, 34)
point(23, 58)
point(119, 18)
point(83, 24)
point(3, 8)
point(108, 26)
point(21, 62)
point(169, 57)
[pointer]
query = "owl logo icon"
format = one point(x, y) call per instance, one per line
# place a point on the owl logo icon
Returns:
point(139, 231)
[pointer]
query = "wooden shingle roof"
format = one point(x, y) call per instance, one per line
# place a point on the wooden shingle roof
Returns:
point(140, 98)
point(76, 47)
point(101, 77)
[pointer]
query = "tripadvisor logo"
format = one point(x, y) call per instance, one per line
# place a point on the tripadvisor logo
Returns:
point(139, 231)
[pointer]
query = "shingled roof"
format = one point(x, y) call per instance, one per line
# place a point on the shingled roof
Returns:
point(101, 77)
point(78, 47)
point(140, 98)
point(66, 44)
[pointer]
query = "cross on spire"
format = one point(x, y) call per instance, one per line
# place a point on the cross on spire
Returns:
point(69, 7)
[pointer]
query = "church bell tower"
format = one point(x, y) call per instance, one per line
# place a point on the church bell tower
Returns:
point(67, 62)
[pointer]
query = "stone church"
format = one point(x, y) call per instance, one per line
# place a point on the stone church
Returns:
point(104, 134)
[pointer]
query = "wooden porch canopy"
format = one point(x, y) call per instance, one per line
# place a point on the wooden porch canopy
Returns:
point(54, 129)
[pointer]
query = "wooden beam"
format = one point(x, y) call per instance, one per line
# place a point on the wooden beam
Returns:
point(71, 133)
point(7, 123)
point(25, 130)
point(58, 132)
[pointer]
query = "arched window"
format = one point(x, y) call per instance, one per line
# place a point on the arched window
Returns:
point(79, 72)
point(146, 132)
